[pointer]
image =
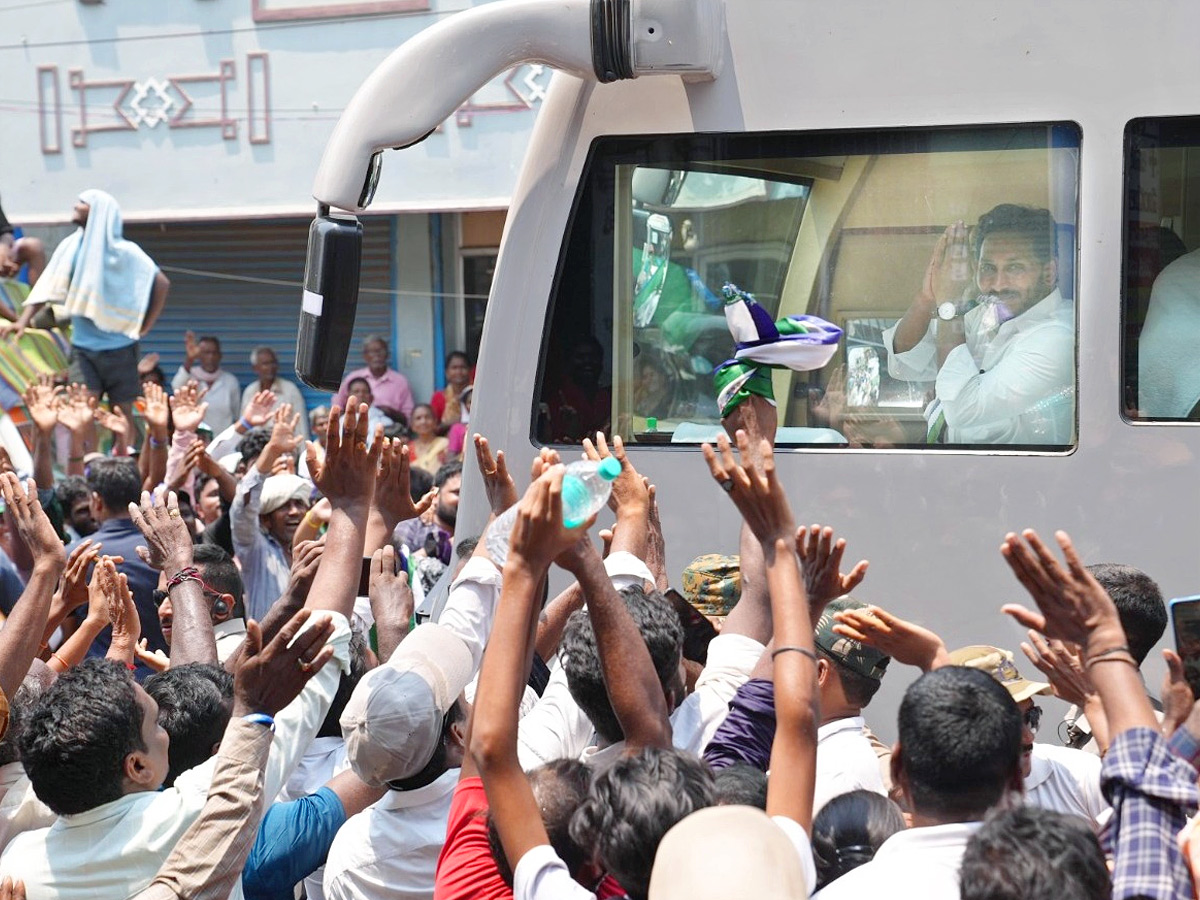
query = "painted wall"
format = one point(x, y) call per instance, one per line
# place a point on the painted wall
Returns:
point(212, 108)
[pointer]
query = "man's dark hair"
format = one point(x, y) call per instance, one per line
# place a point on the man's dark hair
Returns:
point(633, 803)
point(960, 743)
point(70, 491)
point(78, 735)
point(858, 688)
point(19, 710)
point(1037, 225)
point(419, 483)
point(359, 380)
point(849, 829)
point(660, 628)
point(447, 471)
point(1139, 603)
point(220, 572)
point(359, 666)
point(559, 787)
point(252, 444)
point(1029, 853)
point(210, 339)
point(437, 765)
point(194, 704)
point(117, 481)
point(740, 785)
point(465, 548)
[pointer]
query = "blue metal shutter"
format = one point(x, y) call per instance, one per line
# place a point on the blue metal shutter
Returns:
point(245, 314)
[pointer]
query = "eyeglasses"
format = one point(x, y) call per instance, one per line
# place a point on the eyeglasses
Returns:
point(158, 595)
point(1032, 717)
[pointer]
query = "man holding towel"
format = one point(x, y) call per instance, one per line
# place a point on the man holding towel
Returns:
point(111, 290)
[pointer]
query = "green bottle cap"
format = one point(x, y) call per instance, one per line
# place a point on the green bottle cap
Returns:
point(610, 468)
point(651, 423)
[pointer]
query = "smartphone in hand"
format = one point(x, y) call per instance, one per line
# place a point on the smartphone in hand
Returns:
point(1185, 618)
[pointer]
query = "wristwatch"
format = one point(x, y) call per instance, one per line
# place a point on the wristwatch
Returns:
point(947, 311)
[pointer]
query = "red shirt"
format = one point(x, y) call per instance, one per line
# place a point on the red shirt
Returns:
point(465, 869)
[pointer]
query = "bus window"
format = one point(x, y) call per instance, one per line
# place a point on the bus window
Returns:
point(1161, 289)
point(945, 256)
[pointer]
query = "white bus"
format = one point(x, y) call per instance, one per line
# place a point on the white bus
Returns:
point(813, 154)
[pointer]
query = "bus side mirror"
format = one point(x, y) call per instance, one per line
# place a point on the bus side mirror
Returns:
point(330, 301)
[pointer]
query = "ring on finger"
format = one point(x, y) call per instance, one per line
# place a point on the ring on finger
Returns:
point(173, 513)
point(305, 665)
point(726, 485)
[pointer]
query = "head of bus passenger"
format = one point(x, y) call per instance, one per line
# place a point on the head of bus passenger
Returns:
point(1015, 250)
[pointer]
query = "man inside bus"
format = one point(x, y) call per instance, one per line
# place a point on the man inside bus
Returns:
point(1000, 351)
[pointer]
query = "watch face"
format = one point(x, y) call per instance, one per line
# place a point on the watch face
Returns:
point(947, 310)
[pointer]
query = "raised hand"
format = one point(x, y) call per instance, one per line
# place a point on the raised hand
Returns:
point(73, 588)
point(152, 659)
point(905, 642)
point(306, 557)
point(656, 544)
point(187, 407)
point(497, 483)
point(269, 678)
point(169, 542)
point(393, 496)
point(260, 408)
point(754, 488)
point(1177, 697)
point(147, 363)
point(197, 457)
point(75, 408)
point(116, 422)
point(1063, 667)
point(41, 402)
point(191, 348)
point(391, 600)
point(821, 562)
point(155, 407)
point(32, 524)
point(539, 535)
point(347, 474)
point(949, 274)
point(113, 590)
point(629, 489)
point(283, 429)
point(1074, 608)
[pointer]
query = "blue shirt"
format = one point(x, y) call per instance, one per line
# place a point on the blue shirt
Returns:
point(86, 335)
point(293, 841)
point(121, 537)
point(11, 585)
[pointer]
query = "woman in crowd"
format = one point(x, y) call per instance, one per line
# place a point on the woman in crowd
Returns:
point(428, 449)
point(447, 404)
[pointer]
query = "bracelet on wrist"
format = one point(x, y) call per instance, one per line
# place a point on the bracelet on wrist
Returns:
point(803, 651)
point(1122, 648)
point(187, 573)
point(155, 443)
point(260, 719)
point(1112, 658)
point(244, 423)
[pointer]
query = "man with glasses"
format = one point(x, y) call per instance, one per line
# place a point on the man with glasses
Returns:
point(1056, 778)
point(222, 586)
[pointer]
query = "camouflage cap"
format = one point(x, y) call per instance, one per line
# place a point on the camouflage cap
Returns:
point(712, 583)
point(854, 655)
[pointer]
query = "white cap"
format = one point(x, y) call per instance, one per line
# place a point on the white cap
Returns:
point(392, 723)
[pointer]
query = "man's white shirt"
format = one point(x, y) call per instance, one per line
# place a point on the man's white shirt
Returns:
point(1067, 781)
point(846, 761)
point(918, 864)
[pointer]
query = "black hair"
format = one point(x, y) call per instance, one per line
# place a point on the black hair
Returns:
point(252, 444)
point(1029, 853)
point(78, 736)
point(354, 381)
point(420, 483)
point(447, 471)
point(19, 709)
point(211, 339)
point(741, 785)
point(465, 547)
point(633, 803)
point(194, 705)
point(1037, 225)
point(117, 481)
point(660, 628)
point(359, 666)
point(457, 354)
point(858, 688)
point(559, 787)
point(849, 829)
point(437, 765)
point(70, 491)
point(1139, 603)
point(220, 572)
point(960, 743)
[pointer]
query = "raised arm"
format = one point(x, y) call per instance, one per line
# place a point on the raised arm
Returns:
point(391, 601)
point(169, 549)
point(393, 502)
point(538, 537)
point(158, 301)
point(21, 637)
point(40, 399)
point(347, 478)
point(755, 490)
point(630, 499)
point(156, 447)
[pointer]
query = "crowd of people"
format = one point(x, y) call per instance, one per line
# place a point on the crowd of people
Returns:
point(213, 682)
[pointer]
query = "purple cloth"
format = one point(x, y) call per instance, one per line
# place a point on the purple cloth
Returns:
point(748, 731)
point(1152, 792)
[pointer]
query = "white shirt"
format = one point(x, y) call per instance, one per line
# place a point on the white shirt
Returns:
point(285, 392)
point(541, 875)
point(918, 864)
point(390, 851)
point(222, 394)
point(1066, 781)
point(114, 850)
point(1011, 384)
point(846, 761)
point(20, 809)
point(556, 728)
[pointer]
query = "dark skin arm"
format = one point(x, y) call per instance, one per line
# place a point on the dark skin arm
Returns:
point(158, 301)
point(155, 449)
point(40, 400)
point(391, 601)
point(553, 620)
point(21, 637)
point(393, 499)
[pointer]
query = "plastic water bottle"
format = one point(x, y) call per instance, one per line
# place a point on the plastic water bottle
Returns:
point(585, 488)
